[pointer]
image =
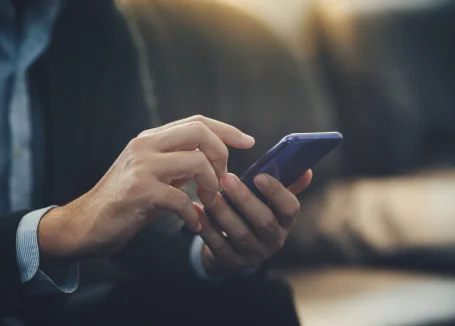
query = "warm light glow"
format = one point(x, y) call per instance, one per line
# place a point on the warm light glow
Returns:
point(284, 17)
point(343, 7)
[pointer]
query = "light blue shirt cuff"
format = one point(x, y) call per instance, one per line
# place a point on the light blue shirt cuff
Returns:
point(28, 259)
point(198, 265)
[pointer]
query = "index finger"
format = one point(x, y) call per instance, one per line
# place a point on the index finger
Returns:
point(192, 136)
point(228, 134)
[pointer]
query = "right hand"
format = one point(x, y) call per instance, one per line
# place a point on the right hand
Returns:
point(143, 181)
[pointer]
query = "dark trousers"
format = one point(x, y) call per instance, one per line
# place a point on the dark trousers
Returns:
point(264, 301)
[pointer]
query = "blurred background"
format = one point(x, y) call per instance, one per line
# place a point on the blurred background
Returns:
point(375, 242)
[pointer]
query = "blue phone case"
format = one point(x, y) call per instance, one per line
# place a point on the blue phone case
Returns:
point(289, 159)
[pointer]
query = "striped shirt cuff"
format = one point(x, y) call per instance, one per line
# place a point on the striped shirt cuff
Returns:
point(28, 259)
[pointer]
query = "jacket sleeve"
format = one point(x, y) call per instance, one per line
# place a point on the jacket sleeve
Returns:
point(159, 250)
point(10, 283)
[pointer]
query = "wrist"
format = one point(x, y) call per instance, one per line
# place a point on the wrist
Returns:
point(54, 240)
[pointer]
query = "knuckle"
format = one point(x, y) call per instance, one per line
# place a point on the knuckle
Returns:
point(213, 184)
point(220, 249)
point(133, 184)
point(201, 128)
point(244, 197)
point(134, 161)
point(204, 166)
point(275, 246)
point(135, 144)
point(181, 200)
point(224, 154)
point(243, 239)
point(291, 210)
point(278, 243)
point(221, 158)
point(198, 128)
point(131, 155)
point(275, 187)
point(198, 124)
point(201, 160)
point(198, 118)
point(155, 137)
point(269, 224)
point(145, 133)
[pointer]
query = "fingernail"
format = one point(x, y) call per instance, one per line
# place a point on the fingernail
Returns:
point(248, 140)
point(199, 227)
point(228, 182)
point(261, 181)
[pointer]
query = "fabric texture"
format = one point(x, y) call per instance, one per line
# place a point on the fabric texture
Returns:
point(60, 277)
point(10, 283)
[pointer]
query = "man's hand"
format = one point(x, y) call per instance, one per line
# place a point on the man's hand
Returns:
point(233, 245)
point(144, 180)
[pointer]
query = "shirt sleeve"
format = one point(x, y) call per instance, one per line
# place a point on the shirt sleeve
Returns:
point(198, 265)
point(62, 277)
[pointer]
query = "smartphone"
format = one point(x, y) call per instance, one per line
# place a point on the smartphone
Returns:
point(289, 159)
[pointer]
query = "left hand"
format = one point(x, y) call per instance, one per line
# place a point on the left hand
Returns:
point(244, 246)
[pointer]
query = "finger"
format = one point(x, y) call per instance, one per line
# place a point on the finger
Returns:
point(183, 165)
point(217, 242)
point(258, 214)
point(239, 234)
point(228, 134)
point(301, 184)
point(191, 136)
point(169, 198)
point(179, 183)
point(284, 203)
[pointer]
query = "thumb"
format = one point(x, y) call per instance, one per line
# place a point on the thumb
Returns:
point(302, 183)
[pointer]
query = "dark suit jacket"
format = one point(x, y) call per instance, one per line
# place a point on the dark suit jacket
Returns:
point(90, 84)
point(89, 87)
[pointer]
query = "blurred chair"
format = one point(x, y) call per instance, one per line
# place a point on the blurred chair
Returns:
point(373, 297)
point(389, 76)
point(209, 58)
